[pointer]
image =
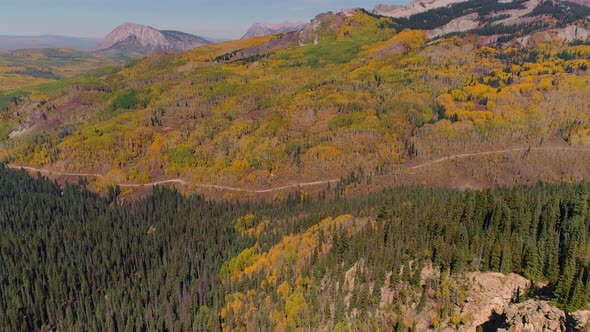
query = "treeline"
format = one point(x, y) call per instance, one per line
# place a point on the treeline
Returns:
point(71, 260)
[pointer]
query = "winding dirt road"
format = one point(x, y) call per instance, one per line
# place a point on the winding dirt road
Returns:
point(175, 181)
point(296, 185)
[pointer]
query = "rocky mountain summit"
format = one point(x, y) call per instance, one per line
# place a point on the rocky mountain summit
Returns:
point(136, 38)
point(263, 29)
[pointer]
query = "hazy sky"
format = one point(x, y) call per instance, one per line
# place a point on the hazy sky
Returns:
point(216, 18)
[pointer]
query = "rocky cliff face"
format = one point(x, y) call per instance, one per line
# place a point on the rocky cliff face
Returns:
point(492, 304)
point(537, 315)
point(263, 29)
point(488, 295)
point(144, 39)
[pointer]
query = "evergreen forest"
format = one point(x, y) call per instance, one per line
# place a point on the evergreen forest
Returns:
point(73, 260)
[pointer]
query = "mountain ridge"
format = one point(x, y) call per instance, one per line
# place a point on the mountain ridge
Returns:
point(208, 93)
point(266, 28)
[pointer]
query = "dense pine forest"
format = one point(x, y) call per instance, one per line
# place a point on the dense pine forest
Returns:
point(73, 260)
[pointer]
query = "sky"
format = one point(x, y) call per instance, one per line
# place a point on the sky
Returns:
point(221, 19)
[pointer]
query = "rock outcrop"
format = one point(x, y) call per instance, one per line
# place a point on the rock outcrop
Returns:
point(461, 24)
point(569, 34)
point(417, 6)
point(579, 321)
point(534, 316)
point(488, 295)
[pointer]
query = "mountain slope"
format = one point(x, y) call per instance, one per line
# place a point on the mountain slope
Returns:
point(143, 39)
point(352, 95)
point(320, 120)
point(488, 17)
point(263, 29)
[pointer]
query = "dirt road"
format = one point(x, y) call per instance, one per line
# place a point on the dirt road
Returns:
point(300, 184)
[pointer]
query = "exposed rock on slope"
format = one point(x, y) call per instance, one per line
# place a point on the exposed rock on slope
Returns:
point(569, 33)
point(417, 6)
point(537, 315)
point(322, 23)
point(263, 29)
point(489, 293)
point(534, 315)
point(579, 320)
point(461, 24)
point(144, 39)
point(489, 304)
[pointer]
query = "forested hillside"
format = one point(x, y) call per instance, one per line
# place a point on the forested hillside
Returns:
point(71, 260)
point(351, 91)
point(363, 173)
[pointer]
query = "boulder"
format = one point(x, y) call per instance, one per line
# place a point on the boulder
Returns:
point(534, 316)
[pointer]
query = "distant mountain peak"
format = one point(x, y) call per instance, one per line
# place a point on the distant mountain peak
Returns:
point(146, 36)
point(266, 28)
point(144, 39)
